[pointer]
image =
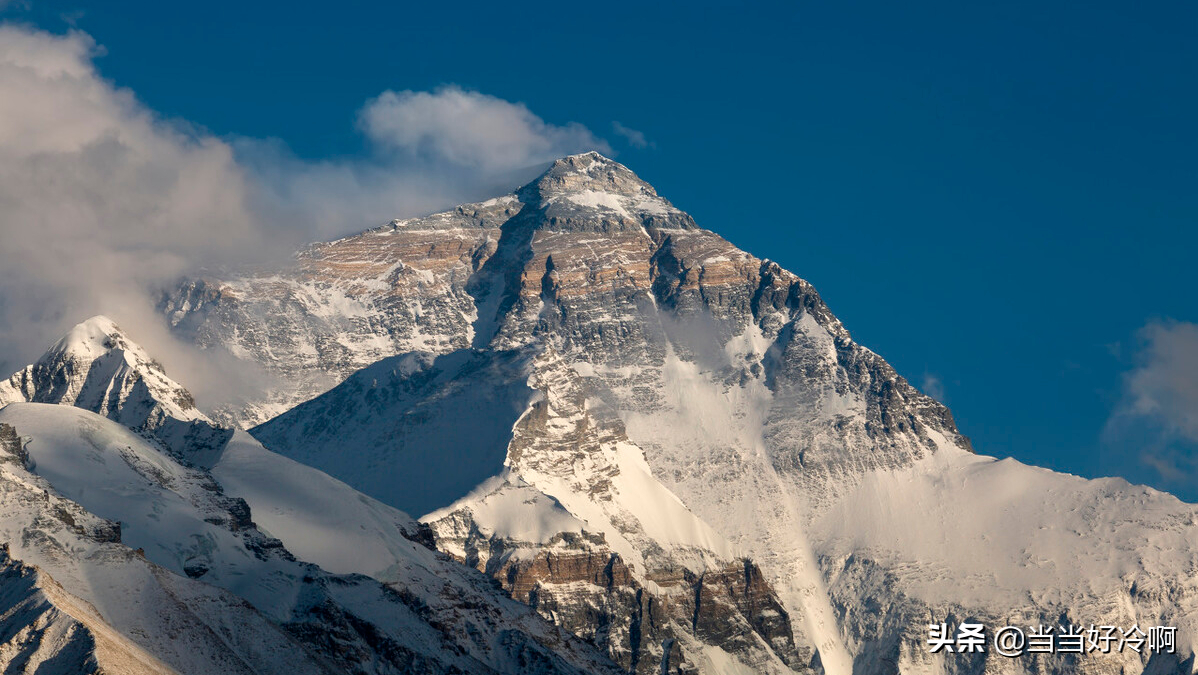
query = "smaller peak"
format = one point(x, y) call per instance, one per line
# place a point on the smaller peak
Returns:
point(97, 366)
point(91, 338)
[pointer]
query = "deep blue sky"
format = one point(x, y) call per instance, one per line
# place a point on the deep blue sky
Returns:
point(999, 197)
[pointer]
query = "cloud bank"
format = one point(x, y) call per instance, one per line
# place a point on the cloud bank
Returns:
point(99, 199)
point(102, 201)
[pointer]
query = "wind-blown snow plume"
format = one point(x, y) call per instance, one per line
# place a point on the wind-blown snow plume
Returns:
point(102, 201)
point(470, 129)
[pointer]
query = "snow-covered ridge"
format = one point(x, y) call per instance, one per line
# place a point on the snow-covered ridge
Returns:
point(185, 509)
point(47, 630)
point(110, 590)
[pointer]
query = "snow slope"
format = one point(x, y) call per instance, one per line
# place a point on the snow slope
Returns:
point(996, 539)
point(1007, 530)
point(439, 422)
point(317, 517)
point(46, 630)
point(111, 590)
point(179, 518)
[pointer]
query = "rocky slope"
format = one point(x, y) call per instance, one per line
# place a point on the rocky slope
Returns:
point(431, 616)
point(656, 409)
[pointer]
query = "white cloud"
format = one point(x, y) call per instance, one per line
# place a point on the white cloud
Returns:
point(1158, 413)
point(327, 199)
point(102, 201)
point(467, 128)
point(635, 138)
point(99, 198)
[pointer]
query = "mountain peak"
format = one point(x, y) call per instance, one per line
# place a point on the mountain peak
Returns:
point(588, 156)
point(100, 322)
point(590, 192)
point(96, 366)
point(589, 171)
point(584, 161)
point(100, 339)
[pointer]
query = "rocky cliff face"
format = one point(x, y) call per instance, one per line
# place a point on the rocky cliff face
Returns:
point(344, 305)
point(612, 411)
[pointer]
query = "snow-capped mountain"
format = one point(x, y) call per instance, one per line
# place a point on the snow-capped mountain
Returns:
point(627, 421)
point(671, 450)
point(191, 516)
point(95, 366)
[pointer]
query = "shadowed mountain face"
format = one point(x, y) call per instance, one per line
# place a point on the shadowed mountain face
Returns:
point(673, 448)
point(444, 421)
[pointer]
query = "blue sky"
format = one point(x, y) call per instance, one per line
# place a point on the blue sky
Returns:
point(1002, 201)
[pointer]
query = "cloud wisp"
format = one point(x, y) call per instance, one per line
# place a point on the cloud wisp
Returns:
point(1157, 416)
point(933, 386)
point(633, 137)
point(103, 202)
